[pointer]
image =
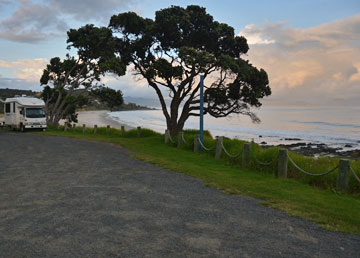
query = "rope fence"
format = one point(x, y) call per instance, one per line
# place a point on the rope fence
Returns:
point(168, 137)
point(227, 153)
point(204, 147)
point(262, 163)
point(171, 139)
point(356, 176)
point(183, 138)
point(308, 173)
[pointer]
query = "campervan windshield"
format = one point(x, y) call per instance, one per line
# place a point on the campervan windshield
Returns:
point(34, 113)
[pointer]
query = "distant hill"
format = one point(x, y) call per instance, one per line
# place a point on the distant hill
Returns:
point(149, 102)
point(10, 93)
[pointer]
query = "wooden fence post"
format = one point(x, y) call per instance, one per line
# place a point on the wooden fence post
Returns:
point(218, 149)
point(342, 181)
point(108, 130)
point(123, 129)
point(84, 128)
point(246, 155)
point(138, 131)
point(180, 139)
point(282, 163)
point(166, 136)
point(196, 143)
point(95, 129)
point(74, 126)
point(65, 127)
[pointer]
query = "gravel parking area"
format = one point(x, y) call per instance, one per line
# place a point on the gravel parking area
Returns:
point(62, 197)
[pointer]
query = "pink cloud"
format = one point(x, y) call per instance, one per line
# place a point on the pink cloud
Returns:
point(312, 64)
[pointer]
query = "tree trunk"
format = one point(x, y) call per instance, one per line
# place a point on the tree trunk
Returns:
point(174, 127)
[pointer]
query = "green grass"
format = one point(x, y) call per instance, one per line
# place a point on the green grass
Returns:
point(303, 197)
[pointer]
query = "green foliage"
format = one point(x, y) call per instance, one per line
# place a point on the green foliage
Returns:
point(144, 133)
point(96, 44)
point(112, 98)
point(133, 106)
point(10, 93)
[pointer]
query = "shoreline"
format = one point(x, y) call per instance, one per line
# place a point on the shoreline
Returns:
point(99, 118)
point(313, 149)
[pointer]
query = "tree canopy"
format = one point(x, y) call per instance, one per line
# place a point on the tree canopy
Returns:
point(171, 52)
point(96, 56)
point(112, 98)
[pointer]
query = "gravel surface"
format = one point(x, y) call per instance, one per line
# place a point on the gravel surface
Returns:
point(62, 197)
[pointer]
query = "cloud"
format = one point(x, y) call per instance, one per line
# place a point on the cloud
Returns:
point(255, 35)
point(315, 64)
point(12, 83)
point(29, 70)
point(130, 85)
point(33, 22)
point(356, 76)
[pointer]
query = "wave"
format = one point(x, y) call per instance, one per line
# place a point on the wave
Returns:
point(327, 124)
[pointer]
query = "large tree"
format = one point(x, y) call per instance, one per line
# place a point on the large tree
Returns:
point(96, 56)
point(172, 51)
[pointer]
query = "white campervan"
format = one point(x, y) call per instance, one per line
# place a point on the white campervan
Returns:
point(24, 113)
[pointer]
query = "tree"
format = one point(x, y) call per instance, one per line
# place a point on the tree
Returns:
point(112, 98)
point(96, 57)
point(73, 102)
point(171, 52)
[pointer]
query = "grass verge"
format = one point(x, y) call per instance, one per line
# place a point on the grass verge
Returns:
point(329, 209)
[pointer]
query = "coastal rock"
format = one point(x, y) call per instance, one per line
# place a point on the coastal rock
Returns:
point(348, 146)
point(292, 139)
point(316, 149)
point(293, 145)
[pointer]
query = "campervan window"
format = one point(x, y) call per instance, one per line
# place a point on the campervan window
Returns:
point(34, 113)
point(14, 107)
point(7, 108)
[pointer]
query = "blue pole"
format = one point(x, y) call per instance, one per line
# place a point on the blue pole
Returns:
point(201, 110)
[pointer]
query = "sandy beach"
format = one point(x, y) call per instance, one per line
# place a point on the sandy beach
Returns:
point(99, 118)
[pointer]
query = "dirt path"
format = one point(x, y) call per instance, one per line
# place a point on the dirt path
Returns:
point(63, 197)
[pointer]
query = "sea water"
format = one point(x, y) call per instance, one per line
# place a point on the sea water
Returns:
point(338, 127)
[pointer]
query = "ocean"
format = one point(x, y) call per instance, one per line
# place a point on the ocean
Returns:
point(337, 127)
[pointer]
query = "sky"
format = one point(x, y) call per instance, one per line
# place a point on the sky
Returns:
point(310, 49)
